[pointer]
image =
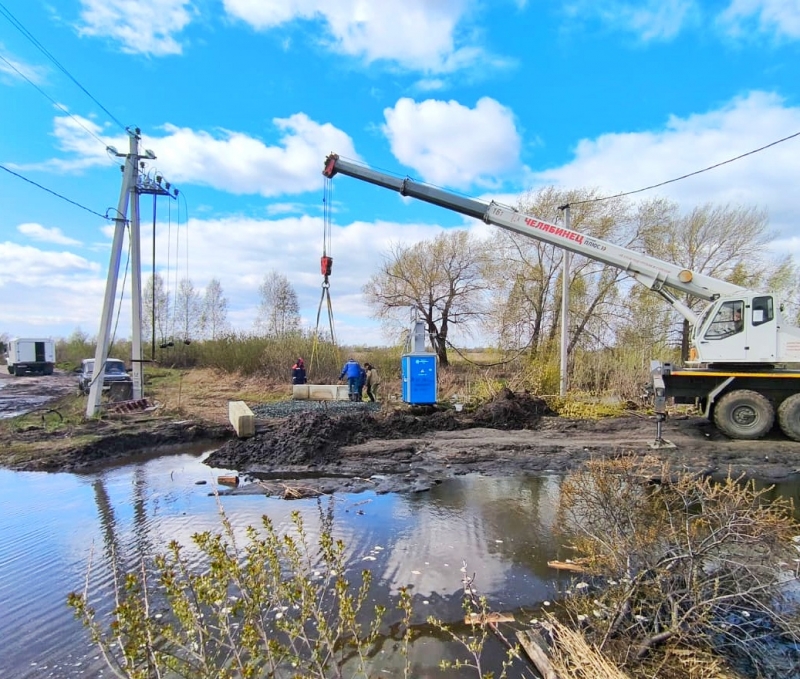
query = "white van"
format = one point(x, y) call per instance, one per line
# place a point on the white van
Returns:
point(31, 354)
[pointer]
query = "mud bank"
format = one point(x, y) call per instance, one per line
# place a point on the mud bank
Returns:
point(305, 455)
point(109, 442)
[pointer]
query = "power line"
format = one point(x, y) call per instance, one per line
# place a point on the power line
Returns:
point(691, 174)
point(55, 103)
point(18, 25)
point(58, 195)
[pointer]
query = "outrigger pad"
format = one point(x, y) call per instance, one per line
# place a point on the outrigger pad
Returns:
point(659, 444)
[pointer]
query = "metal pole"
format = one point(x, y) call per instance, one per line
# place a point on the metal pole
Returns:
point(564, 312)
point(100, 355)
point(153, 308)
point(136, 295)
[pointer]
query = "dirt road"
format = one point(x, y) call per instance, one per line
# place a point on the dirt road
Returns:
point(19, 395)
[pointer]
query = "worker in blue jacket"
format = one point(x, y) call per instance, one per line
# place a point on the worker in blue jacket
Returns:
point(352, 371)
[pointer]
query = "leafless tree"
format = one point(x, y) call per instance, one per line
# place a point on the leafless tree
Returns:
point(155, 310)
point(188, 311)
point(441, 279)
point(279, 309)
point(214, 316)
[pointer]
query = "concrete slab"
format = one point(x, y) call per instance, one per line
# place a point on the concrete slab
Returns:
point(320, 392)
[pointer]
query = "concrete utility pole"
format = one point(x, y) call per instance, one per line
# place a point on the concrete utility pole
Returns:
point(564, 311)
point(129, 192)
point(128, 182)
point(136, 297)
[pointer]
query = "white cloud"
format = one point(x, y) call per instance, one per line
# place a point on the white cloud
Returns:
point(451, 144)
point(417, 34)
point(49, 292)
point(648, 19)
point(10, 65)
point(41, 233)
point(617, 163)
point(241, 164)
point(140, 26)
point(78, 137)
point(779, 17)
point(54, 292)
point(228, 161)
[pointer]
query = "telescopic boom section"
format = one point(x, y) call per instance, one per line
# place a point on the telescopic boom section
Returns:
point(651, 272)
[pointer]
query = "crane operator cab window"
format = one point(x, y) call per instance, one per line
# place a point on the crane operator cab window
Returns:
point(763, 310)
point(728, 321)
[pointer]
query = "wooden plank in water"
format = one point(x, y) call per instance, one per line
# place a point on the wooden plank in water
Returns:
point(533, 645)
point(567, 566)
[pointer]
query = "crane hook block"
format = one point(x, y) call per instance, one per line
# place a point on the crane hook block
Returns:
point(326, 265)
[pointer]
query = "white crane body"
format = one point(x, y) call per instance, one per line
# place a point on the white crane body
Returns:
point(736, 344)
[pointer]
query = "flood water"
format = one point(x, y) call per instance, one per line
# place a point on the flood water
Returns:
point(51, 524)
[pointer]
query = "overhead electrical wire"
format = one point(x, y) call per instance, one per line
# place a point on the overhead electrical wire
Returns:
point(58, 195)
point(19, 26)
point(53, 101)
point(691, 174)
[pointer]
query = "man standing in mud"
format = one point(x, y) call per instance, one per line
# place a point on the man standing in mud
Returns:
point(373, 380)
point(352, 371)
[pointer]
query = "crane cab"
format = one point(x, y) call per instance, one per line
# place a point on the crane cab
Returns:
point(744, 329)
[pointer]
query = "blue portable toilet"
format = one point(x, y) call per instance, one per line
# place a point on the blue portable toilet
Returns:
point(419, 378)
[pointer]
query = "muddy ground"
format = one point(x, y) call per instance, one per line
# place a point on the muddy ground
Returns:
point(402, 451)
point(29, 392)
point(395, 449)
point(41, 441)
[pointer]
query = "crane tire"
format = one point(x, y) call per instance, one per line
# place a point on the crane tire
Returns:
point(744, 414)
point(789, 417)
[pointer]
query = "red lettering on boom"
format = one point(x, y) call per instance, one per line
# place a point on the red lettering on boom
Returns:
point(556, 231)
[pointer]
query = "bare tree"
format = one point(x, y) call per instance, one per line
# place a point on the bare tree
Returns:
point(155, 309)
point(214, 316)
point(279, 309)
point(188, 310)
point(441, 279)
point(526, 276)
point(726, 242)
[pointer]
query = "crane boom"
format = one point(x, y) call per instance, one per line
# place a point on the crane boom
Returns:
point(649, 271)
point(736, 345)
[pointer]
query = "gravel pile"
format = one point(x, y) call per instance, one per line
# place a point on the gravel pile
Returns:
point(287, 408)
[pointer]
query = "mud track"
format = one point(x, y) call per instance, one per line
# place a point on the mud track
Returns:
point(319, 453)
point(22, 394)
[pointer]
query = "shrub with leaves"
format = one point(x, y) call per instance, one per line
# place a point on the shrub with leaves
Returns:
point(279, 606)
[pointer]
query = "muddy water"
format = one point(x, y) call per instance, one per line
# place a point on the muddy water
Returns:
point(51, 524)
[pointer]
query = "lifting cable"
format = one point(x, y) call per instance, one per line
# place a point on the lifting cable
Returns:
point(326, 268)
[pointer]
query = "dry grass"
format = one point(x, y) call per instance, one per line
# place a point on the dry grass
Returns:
point(575, 658)
point(204, 393)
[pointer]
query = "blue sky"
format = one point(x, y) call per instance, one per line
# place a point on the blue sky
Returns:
point(242, 100)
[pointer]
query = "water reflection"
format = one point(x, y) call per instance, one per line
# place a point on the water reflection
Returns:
point(51, 523)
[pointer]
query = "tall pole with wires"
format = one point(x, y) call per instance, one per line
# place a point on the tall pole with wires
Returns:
point(129, 174)
point(136, 295)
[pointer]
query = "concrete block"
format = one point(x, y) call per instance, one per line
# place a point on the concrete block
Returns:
point(242, 419)
point(300, 392)
point(320, 392)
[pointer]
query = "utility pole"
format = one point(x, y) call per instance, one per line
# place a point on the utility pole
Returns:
point(564, 310)
point(129, 172)
point(129, 193)
point(136, 296)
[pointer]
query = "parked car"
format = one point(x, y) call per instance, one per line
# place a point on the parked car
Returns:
point(115, 373)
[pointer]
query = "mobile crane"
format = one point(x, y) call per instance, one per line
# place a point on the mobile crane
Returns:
point(740, 344)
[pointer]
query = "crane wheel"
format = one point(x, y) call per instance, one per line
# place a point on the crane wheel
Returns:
point(744, 414)
point(789, 417)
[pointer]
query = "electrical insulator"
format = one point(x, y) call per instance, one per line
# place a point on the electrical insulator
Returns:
point(326, 265)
